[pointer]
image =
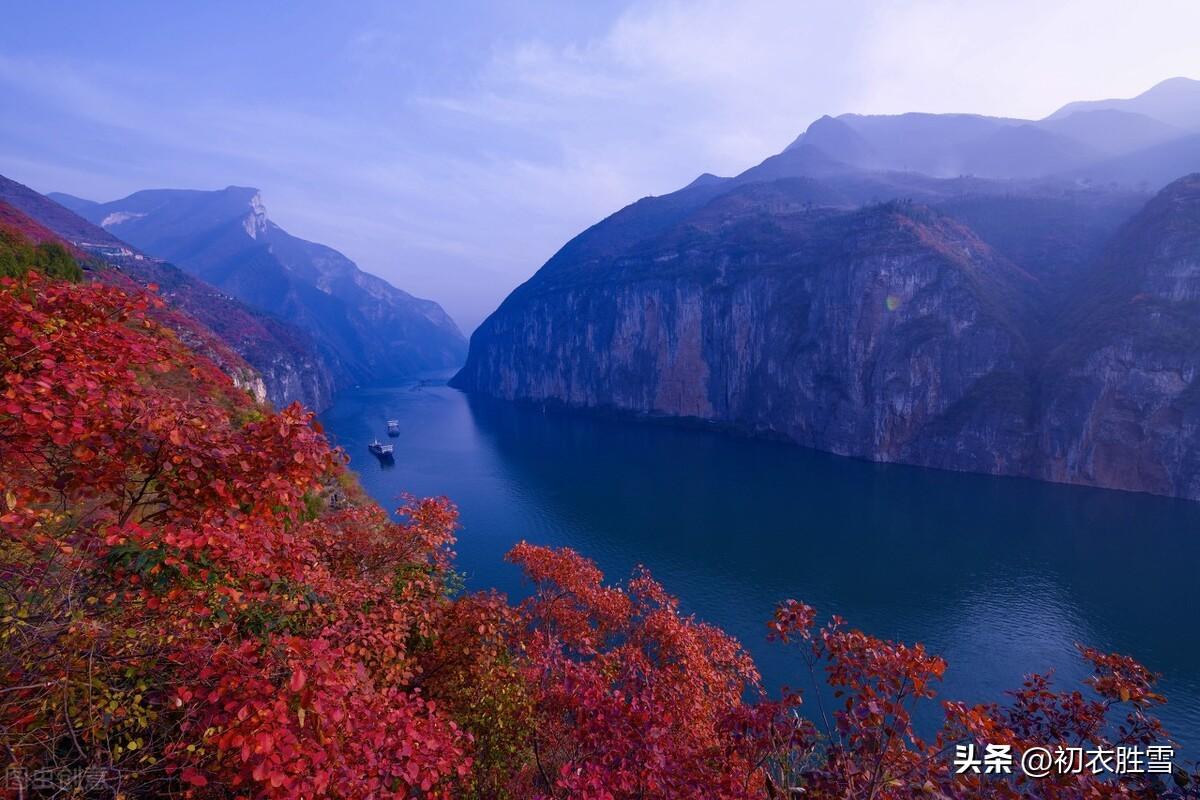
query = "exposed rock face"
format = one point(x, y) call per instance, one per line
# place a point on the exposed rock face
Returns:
point(891, 332)
point(1122, 399)
point(883, 333)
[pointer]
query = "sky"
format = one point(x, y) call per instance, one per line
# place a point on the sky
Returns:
point(453, 147)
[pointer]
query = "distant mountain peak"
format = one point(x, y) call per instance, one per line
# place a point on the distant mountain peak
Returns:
point(1177, 84)
point(365, 328)
point(836, 139)
point(705, 179)
point(815, 124)
point(1175, 101)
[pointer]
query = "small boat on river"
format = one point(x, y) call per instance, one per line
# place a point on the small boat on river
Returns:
point(381, 450)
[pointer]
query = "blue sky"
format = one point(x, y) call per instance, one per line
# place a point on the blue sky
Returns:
point(452, 147)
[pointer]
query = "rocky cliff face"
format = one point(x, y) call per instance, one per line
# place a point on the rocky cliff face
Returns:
point(1122, 397)
point(886, 333)
point(891, 332)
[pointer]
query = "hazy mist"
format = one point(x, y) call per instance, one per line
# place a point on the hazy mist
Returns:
point(452, 147)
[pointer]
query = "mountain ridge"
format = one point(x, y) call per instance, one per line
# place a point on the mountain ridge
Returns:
point(284, 356)
point(367, 329)
point(1175, 101)
point(1078, 136)
point(837, 298)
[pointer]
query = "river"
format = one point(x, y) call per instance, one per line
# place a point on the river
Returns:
point(1001, 576)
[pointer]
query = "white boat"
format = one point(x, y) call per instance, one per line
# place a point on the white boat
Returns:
point(380, 449)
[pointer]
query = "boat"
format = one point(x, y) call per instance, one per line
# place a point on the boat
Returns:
point(393, 427)
point(380, 449)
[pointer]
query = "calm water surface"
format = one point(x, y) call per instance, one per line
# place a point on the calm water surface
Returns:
point(1000, 576)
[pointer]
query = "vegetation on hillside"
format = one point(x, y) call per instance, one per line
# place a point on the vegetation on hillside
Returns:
point(18, 256)
point(197, 601)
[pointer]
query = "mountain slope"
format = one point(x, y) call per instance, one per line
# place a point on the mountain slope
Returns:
point(1175, 101)
point(890, 333)
point(796, 308)
point(1110, 131)
point(71, 202)
point(1122, 391)
point(284, 356)
point(366, 329)
point(1153, 166)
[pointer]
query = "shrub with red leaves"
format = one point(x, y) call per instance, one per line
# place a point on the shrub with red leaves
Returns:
point(179, 609)
point(196, 601)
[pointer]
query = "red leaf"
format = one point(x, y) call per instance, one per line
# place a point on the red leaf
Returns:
point(190, 775)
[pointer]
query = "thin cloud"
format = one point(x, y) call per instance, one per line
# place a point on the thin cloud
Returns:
point(456, 170)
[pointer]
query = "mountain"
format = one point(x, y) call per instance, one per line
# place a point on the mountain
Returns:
point(1110, 132)
point(891, 332)
point(1122, 399)
point(1141, 141)
point(284, 357)
point(365, 329)
point(1034, 323)
point(943, 145)
point(1022, 151)
point(837, 139)
point(1149, 167)
point(71, 202)
point(1175, 101)
point(1055, 235)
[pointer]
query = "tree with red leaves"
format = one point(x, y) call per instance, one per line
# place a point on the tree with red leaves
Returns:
point(630, 697)
point(872, 750)
point(180, 609)
point(197, 601)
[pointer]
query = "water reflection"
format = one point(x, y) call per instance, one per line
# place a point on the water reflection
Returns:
point(1001, 576)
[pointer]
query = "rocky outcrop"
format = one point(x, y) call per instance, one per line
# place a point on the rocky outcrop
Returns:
point(1122, 401)
point(891, 332)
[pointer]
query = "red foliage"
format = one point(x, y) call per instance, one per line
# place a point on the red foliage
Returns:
point(873, 752)
point(23, 225)
point(194, 601)
point(631, 698)
point(205, 633)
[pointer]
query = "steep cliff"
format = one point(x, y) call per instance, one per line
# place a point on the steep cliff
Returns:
point(891, 332)
point(1122, 400)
